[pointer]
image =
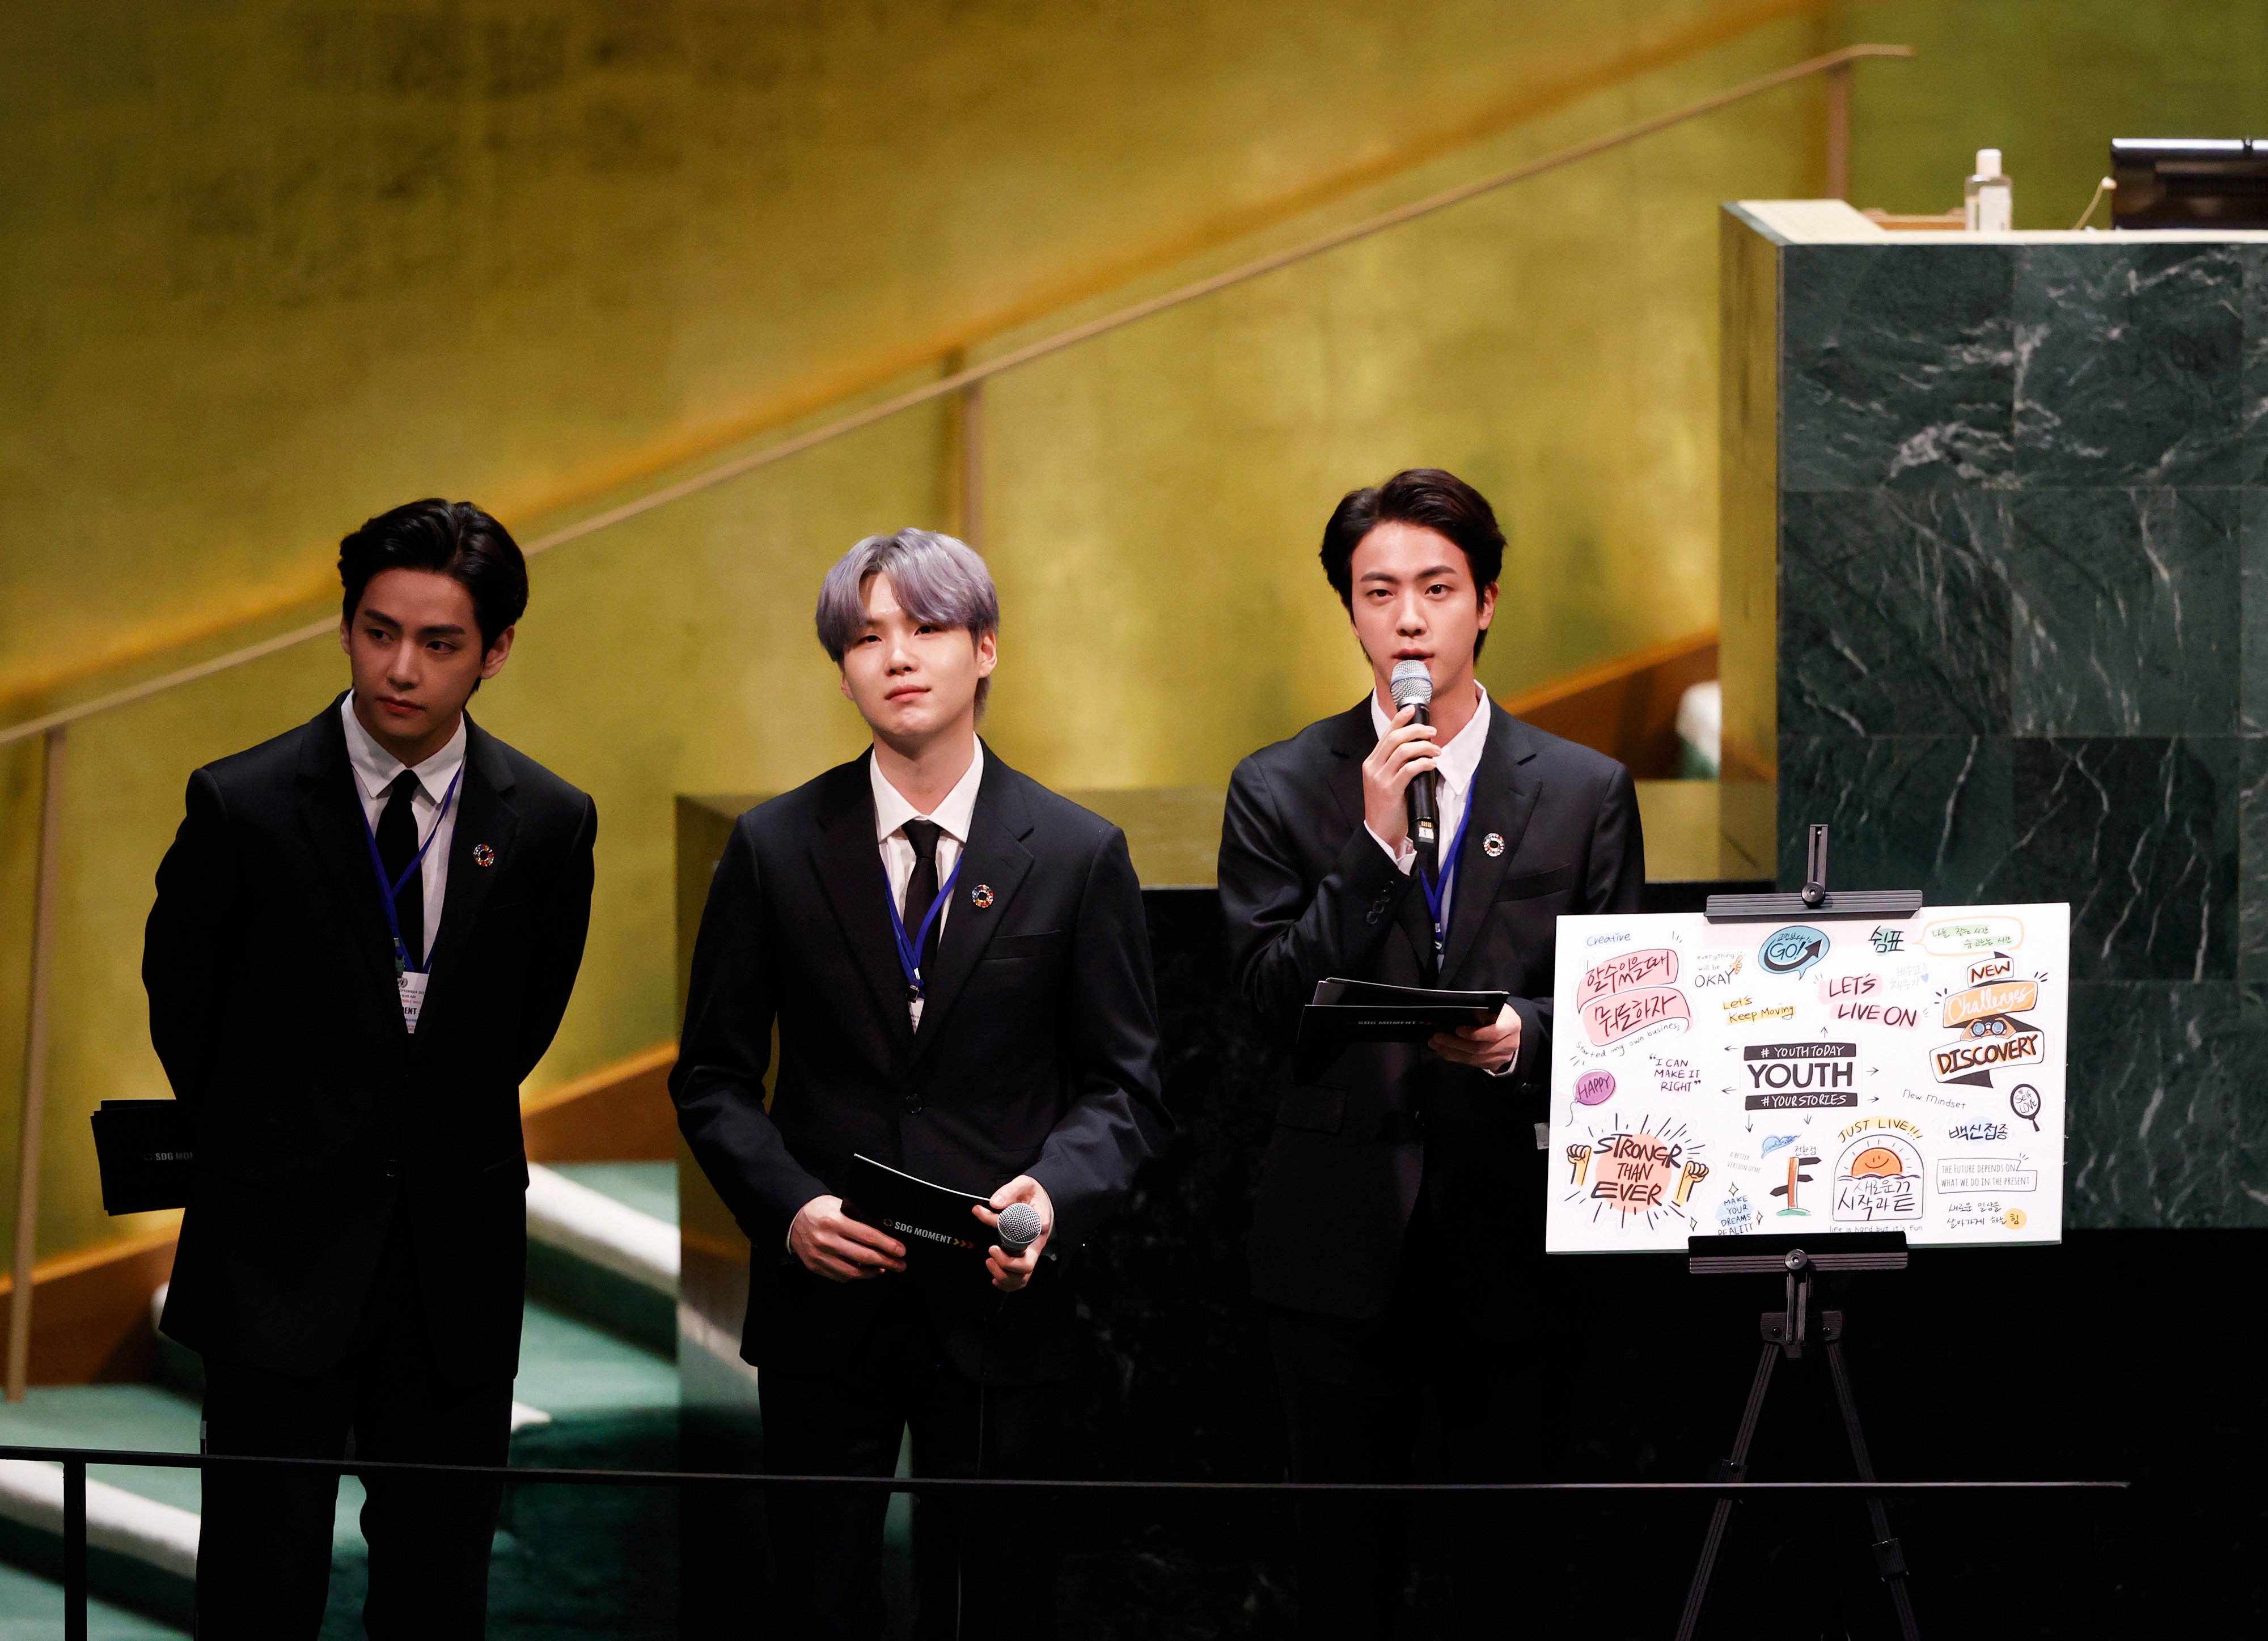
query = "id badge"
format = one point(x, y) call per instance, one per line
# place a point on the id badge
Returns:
point(412, 985)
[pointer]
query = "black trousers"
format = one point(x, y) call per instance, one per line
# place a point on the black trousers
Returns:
point(1446, 1386)
point(264, 1555)
point(980, 1564)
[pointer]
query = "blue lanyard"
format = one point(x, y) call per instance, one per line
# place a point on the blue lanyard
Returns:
point(910, 947)
point(1436, 884)
point(386, 891)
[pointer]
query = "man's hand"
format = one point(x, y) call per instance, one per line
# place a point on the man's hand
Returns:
point(1405, 750)
point(1008, 1275)
point(1490, 1048)
point(839, 1247)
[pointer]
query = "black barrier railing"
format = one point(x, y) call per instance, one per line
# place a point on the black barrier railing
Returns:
point(74, 1462)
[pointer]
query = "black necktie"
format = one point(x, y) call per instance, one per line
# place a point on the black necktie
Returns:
point(397, 847)
point(921, 889)
point(1417, 922)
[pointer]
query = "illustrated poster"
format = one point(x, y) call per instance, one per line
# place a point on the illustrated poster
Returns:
point(1838, 1075)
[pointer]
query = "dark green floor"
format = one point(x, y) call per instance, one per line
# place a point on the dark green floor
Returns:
point(568, 1562)
point(32, 1609)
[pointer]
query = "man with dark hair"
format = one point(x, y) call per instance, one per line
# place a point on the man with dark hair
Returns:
point(1397, 1243)
point(956, 964)
point(365, 934)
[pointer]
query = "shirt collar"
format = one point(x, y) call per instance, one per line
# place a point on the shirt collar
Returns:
point(1461, 759)
point(892, 811)
point(376, 768)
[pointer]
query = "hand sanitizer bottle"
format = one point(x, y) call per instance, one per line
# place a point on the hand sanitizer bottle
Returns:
point(1988, 202)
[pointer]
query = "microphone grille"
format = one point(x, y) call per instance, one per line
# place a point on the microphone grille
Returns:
point(1411, 684)
point(1019, 1227)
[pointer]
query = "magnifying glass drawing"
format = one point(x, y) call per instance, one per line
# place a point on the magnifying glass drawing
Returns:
point(2024, 1101)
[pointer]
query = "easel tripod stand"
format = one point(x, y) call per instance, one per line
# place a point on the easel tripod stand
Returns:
point(1789, 1331)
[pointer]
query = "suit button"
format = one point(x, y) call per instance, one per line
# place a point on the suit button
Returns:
point(913, 1105)
point(392, 1168)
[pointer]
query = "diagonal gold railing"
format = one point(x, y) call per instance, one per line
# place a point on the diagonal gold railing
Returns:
point(1836, 66)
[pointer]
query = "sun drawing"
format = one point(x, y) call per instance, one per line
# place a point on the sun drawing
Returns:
point(1876, 1160)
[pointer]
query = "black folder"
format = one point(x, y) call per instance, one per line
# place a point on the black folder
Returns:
point(146, 1149)
point(945, 1243)
point(1363, 1010)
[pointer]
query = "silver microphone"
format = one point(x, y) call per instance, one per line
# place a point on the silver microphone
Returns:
point(1018, 1228)
point(1412, 685)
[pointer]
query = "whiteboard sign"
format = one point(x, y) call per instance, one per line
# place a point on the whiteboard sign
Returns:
point(1712, 1080)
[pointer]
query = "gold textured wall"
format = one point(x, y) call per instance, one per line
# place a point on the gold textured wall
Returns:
point(273, 267)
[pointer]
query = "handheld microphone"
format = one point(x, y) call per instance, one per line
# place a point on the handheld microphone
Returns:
point(1412, 685)
point(1018, 1228)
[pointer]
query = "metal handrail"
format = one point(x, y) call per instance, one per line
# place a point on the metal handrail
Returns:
point(586, 1476)
point(74, 1462)
point(1836, 65)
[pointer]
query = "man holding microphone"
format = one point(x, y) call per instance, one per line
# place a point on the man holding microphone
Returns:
point(1397, 1242)
point(956, 963)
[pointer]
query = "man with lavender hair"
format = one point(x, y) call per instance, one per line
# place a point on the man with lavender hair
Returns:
point(955, 961)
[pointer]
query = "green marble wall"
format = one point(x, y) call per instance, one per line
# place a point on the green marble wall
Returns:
point(2022, 652)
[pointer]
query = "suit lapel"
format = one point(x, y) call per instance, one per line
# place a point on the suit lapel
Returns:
point(1351, 741)
point(1503, 802)
point(1415, 924)
point(330, 811)
point(485, 815)
point(849, 866)
point(995, 857)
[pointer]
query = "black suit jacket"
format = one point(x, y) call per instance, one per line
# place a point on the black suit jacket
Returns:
point(1309, 895)
point(318, 1117)
point(1037, 1052)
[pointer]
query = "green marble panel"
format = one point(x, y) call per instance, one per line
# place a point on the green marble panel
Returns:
point(2139, 834)
point(1907, 811)
point(2252, 573)
point(1899, 365)
point(2127, 611)
point(2253, 388)
point(1894, 613)
point(2130, 358)
point(2252, 859)
point(2167, 1116)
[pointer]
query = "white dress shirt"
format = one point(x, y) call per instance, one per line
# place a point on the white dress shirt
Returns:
point(951, 816)
point(375, 769)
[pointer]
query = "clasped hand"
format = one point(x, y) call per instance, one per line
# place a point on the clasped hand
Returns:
point(843, 1249)
point(1490, 1048)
